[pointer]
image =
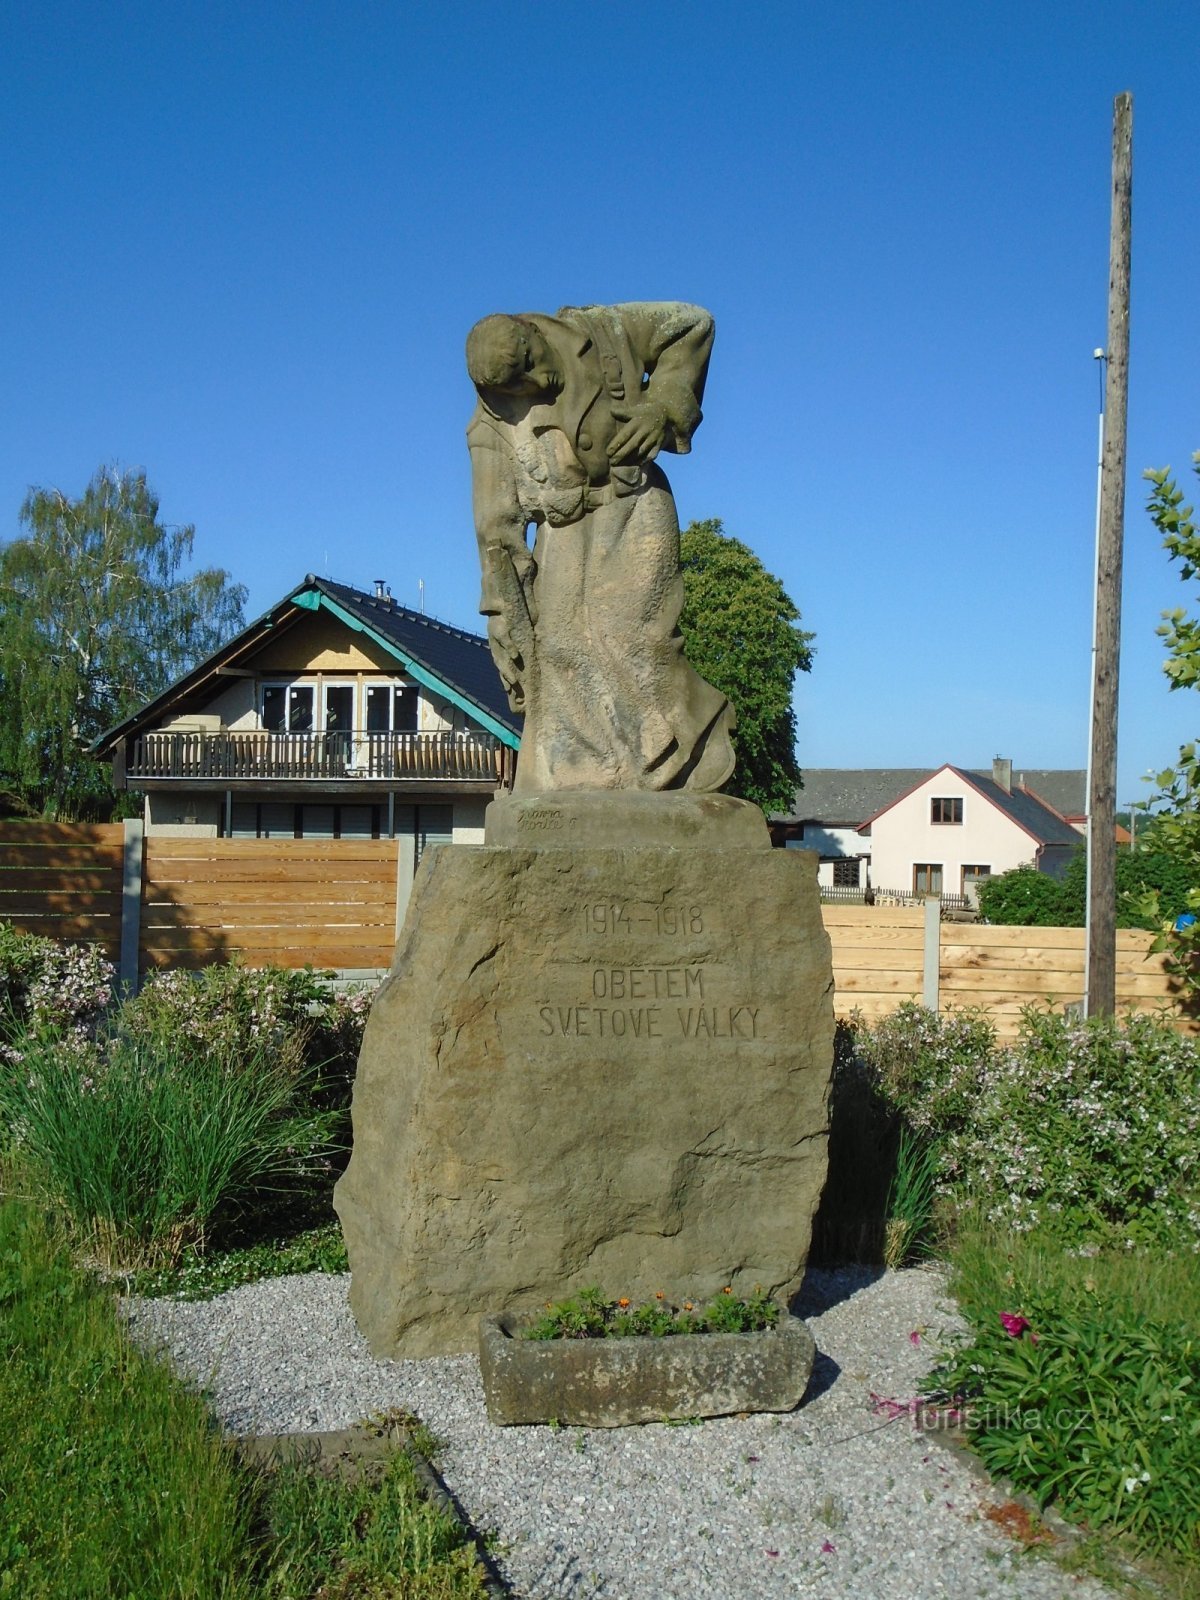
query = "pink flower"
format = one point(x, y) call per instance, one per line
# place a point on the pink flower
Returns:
point(1014, 1324)
point(828, 1549)
point(914, 1337)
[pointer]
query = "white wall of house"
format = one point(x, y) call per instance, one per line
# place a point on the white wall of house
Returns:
point(905, 836)
point(830, 841)
point(184, 816)
point(468, 820)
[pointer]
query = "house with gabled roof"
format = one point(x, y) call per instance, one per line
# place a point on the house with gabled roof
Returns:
point(834, 814)
point(337, 714)
point(954, 828)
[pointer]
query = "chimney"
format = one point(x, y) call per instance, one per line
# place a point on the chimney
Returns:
point(381, 589)
point(1002, 773)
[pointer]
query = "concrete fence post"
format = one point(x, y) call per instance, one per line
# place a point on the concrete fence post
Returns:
point(131, 905)
point(933, 953)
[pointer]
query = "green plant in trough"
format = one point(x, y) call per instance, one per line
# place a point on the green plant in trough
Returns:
point(589, 1315)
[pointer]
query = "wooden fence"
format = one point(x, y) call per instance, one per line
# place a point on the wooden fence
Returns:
point(333, 903)
point(279, 902)
point(883, 955)
point(64, 880)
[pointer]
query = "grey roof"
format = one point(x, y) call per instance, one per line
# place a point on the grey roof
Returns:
point(845, 797)
point(1066, 791)
point(1026, 810)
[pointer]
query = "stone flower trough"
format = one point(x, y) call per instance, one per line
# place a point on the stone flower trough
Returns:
point(607, 1383)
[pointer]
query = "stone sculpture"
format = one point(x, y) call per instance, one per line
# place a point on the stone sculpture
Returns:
point(584, 628)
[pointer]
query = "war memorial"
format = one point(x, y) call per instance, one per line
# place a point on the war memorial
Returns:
point(602, 1053)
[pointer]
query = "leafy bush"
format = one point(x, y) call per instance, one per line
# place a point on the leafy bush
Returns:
point(142, 1142)
point(47, 986)
point(1023, 898)
point(222, 1012)
point(929, 1065)
point(1078, 1396)
point(1150, 886)
point(1091, 1127)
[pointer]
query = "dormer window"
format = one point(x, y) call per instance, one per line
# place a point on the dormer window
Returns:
point(942, 810)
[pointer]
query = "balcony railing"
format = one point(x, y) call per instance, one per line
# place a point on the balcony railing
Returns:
point(389, 757)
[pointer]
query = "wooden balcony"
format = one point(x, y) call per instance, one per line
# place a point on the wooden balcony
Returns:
point(227, 757)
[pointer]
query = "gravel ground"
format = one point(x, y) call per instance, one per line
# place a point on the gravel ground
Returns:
point(828, 1501)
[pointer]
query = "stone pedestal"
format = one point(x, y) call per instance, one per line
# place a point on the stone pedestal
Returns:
point(602, 1056)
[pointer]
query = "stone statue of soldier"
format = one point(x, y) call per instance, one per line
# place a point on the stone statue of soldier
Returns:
point(584, 627)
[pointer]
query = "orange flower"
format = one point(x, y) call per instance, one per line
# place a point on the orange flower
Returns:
point(687, 1305)
point(728, 1289)
point(622, 1304)
point(658, 1294)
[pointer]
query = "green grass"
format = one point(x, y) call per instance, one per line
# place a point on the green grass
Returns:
point(143, 1145)
point(112, 1478)
point(1094, 1407)
point(115, 1482)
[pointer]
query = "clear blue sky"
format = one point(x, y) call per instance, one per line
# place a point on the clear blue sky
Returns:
point(243, 242)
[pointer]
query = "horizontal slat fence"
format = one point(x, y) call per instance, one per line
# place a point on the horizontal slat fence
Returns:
point(878, 956)
point(1005, 969)
point(283, 902)
point(63, 880)
point(332, 903)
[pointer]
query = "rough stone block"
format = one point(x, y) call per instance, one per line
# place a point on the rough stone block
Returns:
point(589, 1066)
point(606, 1383)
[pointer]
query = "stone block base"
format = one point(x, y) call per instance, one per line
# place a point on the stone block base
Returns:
point(597, 1065)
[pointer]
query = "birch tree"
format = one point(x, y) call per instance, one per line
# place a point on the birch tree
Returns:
point(97, 615)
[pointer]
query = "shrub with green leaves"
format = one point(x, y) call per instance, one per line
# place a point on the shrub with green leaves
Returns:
point(63, 988)
point(230, 1009)
point(929, 1065)
point(1075, 1395)
point(1092, 1128)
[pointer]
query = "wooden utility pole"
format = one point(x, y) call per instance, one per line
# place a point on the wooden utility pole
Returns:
point(1100, 992)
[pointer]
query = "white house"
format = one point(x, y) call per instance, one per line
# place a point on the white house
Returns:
point(954, 827)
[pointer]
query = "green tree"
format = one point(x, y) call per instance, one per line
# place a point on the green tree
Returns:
point(739, 630)
point(1174, 809)
point(95, 618)
point(1022, 898)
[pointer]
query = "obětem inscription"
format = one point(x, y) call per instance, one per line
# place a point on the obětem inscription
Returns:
point(653, 1020)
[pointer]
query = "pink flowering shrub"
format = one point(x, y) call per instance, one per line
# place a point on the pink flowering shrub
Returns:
point(60, 991)
point(1091, 1129)
point(242, 1013)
